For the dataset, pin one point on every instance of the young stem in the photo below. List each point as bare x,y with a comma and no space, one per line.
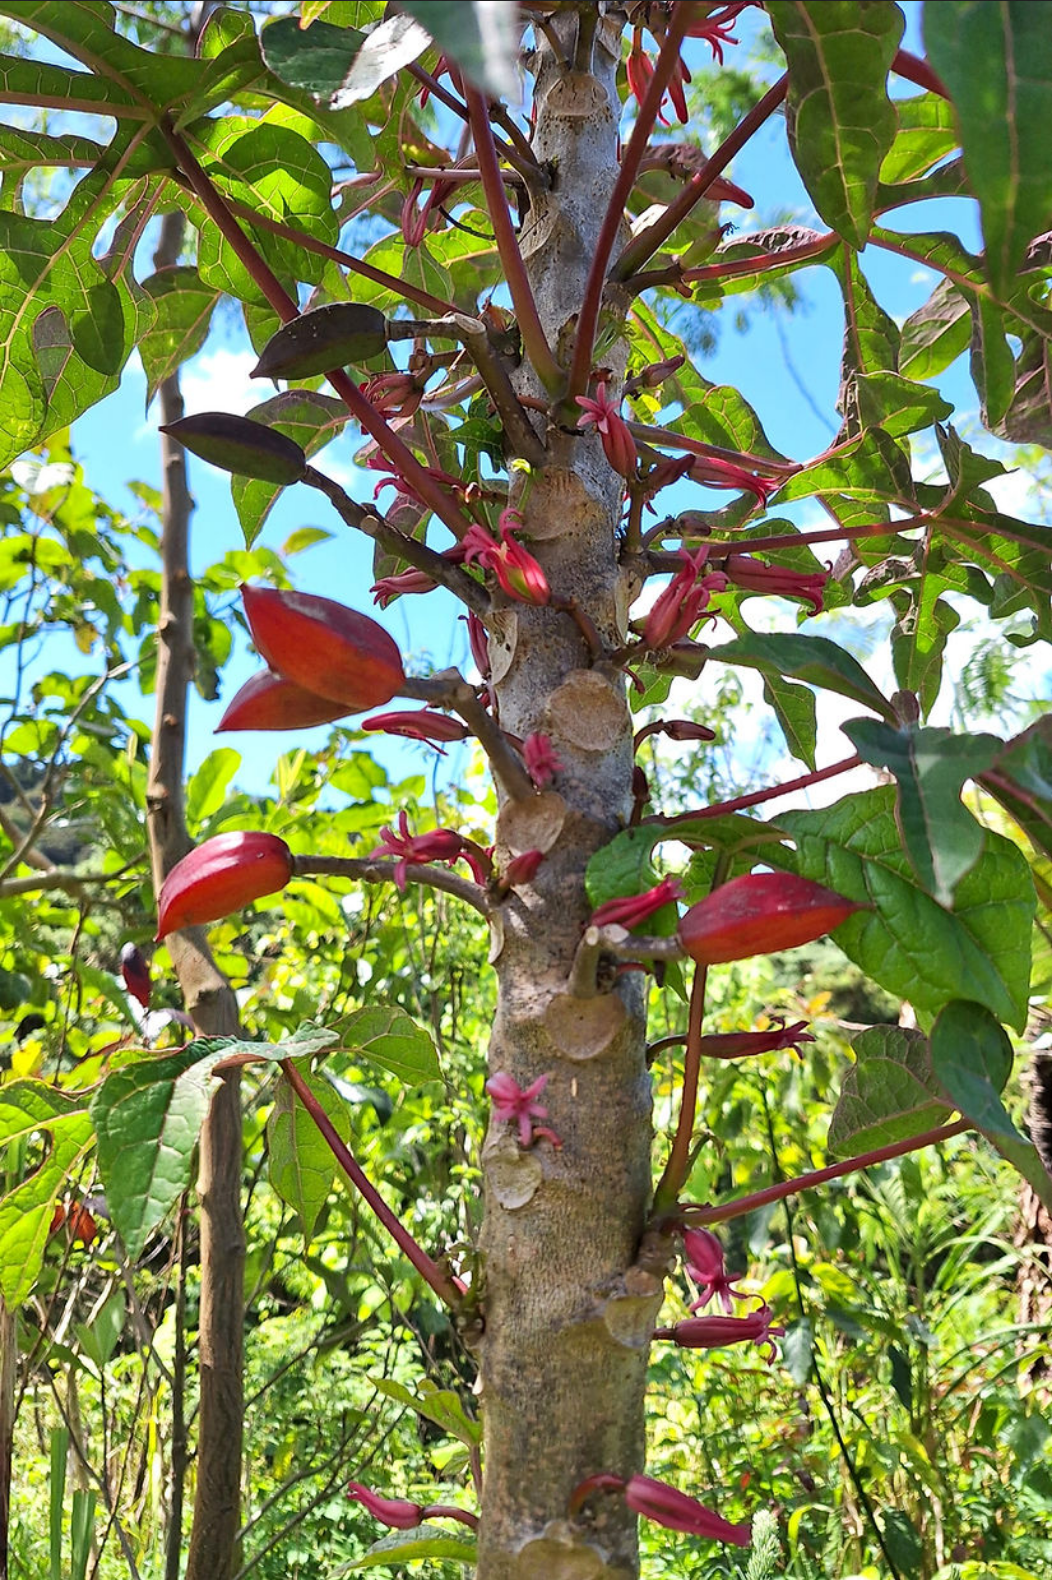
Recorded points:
401,457
451,688
453,577
429,1270
648,241
677,1169
674,274
534,340
697,1216
364,869
592,301
873,529
720,808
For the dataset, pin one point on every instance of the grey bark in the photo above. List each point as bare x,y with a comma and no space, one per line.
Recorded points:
568,1314
211,1004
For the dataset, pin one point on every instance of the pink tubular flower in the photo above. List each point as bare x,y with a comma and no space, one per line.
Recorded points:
703,1256
478,641
632,909
391,587
639,70
602,413
665,1505
756,576
411,581
416,222
393,394
396,1512
522,869
514,1106
740,1044
712,1333
542,764
441,844
420,724
716,28
518,573
678,608
711,472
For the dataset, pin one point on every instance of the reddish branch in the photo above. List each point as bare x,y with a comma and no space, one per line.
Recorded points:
648,241
697,1216
581,366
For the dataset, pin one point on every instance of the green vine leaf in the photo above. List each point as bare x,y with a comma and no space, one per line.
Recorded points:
148,1113
300,1161
813,659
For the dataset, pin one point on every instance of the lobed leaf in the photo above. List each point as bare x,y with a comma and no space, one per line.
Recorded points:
889,1093
942,838
842,123
995,57
907,942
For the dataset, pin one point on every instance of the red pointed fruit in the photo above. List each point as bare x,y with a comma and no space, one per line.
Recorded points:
269,702
323,646
221,876
758,914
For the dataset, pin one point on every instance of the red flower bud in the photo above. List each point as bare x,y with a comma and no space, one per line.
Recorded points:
325,647
758,914
269,702
136,974
522,868
221,876
399,1513
667,1506
420,724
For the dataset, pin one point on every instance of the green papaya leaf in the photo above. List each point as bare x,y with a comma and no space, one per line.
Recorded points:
907,942
385,1035
301,1165
401,1547
889,1094
842,123
941,836
995,57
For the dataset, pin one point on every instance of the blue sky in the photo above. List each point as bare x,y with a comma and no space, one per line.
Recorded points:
769,360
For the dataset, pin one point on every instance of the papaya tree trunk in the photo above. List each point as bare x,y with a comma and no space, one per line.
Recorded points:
568,1314
213,1008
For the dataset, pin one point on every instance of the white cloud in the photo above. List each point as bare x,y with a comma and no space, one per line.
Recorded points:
219,381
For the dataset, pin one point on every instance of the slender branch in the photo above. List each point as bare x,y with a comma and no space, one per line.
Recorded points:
441,1282
450,687
534,340
873,529
675,274
368,271
453,577
698,1215
618,941
721,808
648,241
668,439
401,457
520,156
55,878
919,72
592,300
522,437
366,870
677,1169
